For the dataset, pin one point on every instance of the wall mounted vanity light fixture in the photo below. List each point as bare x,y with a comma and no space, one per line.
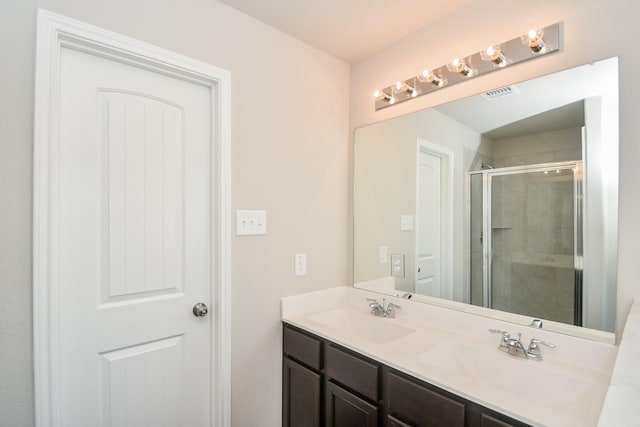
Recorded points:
533,44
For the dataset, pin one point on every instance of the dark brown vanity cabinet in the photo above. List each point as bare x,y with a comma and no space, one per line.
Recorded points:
301,380
325,384
352,389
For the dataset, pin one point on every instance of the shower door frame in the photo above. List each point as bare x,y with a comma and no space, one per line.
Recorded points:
487,231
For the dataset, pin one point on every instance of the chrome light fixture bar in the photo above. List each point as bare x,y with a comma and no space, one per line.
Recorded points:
532,45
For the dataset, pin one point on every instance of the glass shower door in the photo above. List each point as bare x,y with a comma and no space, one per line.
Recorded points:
532,247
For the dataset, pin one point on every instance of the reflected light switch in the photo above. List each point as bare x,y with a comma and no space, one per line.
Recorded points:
406,222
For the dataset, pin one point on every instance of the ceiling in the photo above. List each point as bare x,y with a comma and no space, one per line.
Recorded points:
558,94
348,29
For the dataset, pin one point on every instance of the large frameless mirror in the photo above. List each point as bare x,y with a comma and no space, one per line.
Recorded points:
503,204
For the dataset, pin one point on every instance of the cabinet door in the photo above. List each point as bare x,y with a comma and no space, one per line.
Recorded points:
343,409
300,396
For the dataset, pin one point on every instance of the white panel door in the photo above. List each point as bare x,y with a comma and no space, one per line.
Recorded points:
429,227
134,231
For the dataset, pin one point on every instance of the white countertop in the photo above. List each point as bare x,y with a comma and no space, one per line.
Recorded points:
622,405
528,393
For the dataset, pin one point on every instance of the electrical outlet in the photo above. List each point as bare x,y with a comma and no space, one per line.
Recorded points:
301,264
382,254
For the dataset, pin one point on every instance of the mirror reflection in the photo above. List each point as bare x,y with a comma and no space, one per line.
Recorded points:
504,201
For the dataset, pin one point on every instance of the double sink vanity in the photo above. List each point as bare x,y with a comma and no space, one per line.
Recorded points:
479,214
428,365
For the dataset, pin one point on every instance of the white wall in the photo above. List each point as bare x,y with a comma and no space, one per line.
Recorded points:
289,156
592,29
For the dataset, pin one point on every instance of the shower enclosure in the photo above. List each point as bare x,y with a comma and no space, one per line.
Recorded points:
525,227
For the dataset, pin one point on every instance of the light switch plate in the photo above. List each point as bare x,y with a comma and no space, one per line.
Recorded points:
251,223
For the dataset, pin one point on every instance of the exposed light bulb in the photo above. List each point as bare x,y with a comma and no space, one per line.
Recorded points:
383,96
534,40
495,55
457,65
428,76
406,88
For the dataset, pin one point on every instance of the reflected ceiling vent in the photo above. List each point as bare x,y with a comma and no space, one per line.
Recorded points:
500,92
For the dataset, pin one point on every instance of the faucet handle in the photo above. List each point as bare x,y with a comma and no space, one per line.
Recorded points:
505,334
534,352
533,344
390,311
504,342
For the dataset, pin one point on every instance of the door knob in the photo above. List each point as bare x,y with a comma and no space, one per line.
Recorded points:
200,310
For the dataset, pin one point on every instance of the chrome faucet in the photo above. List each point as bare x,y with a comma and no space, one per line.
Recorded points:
534,352
380,309
514,346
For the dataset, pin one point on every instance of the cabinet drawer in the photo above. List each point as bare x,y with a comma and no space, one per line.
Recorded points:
418,405
353,372
302,347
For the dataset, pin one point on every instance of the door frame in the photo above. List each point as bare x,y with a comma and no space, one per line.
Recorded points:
446,211
55,32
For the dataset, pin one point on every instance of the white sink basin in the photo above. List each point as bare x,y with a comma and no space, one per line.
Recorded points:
376,329
574,393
